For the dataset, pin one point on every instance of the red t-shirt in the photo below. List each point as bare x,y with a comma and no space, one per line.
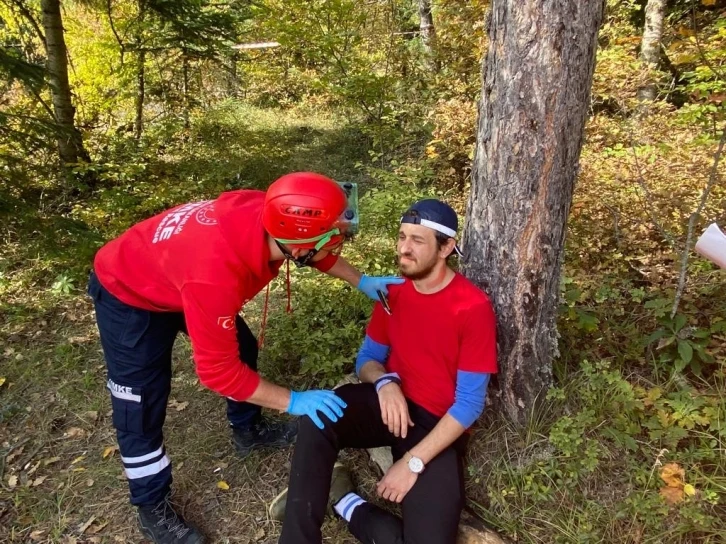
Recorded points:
432,337
205,259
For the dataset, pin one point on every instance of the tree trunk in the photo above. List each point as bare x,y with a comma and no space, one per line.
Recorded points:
140,93
650,50
185,88
428,33
70,142
140,73
232,78
534,102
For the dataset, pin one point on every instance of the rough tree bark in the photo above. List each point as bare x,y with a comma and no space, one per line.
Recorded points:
428,33
70,142
140,74
535,96
140,93
650,49
185,87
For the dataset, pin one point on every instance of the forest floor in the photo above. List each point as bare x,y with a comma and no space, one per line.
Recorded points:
586,469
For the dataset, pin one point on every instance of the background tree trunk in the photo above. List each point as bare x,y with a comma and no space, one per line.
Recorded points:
428,33
70,142
140,93
232,78
185,87
650,50
534,102
140,74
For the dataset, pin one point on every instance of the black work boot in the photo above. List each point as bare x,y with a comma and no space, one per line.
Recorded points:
264,434
163,525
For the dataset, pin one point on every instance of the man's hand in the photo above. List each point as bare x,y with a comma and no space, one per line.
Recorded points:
394,410
397,482
370,285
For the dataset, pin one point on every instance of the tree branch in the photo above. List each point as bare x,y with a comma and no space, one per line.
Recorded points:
712,179
25,12
113,29
650,207
717,73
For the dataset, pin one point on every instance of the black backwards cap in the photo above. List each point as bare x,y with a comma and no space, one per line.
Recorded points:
436,215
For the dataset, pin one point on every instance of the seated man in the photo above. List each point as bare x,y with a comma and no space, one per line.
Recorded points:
425,365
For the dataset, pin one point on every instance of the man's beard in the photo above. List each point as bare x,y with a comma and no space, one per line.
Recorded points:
419,274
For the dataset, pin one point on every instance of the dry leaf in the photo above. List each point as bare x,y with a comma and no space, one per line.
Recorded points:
37,535
39,480
78,459
673,475
689,490
82,528
51,461
89,483
35,467
13,481
2,380
672,495
75,432
68,539
109,451
178,406
97,528
708,2
15,454
221,484
260,534
92,415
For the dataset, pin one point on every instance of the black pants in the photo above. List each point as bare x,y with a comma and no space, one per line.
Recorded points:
432,507
137,346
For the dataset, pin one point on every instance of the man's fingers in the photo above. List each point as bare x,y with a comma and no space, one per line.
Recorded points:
396,422
325,410
334,407
337,400
391,419
316,420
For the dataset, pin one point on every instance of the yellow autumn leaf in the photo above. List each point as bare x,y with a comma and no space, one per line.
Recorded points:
224,486
689,490
672,474
708,2
109,451
2,380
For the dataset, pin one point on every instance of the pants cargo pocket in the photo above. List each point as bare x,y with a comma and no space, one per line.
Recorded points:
128,409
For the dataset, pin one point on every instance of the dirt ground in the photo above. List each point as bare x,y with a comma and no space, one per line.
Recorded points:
61,476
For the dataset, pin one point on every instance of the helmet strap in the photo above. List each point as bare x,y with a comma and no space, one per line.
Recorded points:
305,260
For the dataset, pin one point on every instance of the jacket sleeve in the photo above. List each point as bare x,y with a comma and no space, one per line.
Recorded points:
326,263
210,312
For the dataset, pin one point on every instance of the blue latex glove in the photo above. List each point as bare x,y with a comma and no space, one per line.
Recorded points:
309,403
370,284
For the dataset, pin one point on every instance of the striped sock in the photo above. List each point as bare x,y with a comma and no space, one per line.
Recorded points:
345,506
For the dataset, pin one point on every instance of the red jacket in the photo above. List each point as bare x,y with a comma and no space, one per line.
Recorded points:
205,259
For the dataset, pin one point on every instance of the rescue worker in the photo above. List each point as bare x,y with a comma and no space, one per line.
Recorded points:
191,269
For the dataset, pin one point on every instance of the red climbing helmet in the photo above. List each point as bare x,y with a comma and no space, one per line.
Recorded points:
307,210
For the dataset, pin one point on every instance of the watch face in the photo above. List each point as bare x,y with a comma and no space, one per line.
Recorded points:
415,464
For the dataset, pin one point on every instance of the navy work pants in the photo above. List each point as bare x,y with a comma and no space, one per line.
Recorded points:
137,346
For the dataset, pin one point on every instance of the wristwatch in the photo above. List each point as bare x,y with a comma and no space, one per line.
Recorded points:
415,464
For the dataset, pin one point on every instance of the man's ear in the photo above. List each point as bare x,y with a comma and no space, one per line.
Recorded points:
448,248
